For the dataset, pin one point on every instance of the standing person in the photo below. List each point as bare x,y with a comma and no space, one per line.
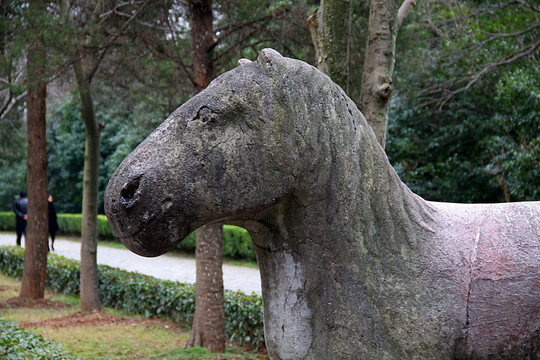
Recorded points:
20,207
53,224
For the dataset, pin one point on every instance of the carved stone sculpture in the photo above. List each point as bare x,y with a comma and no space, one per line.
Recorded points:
353,264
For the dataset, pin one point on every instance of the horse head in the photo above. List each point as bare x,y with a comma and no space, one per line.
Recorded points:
221,155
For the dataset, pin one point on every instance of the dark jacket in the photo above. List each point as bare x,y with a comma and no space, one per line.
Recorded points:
53,224
20,207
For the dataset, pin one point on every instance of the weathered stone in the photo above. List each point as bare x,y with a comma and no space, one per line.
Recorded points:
353,264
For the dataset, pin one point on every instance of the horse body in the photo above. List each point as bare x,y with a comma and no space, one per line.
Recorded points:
353,264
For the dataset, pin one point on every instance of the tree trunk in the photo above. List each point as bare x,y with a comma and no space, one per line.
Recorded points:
35,258
89,280
379,65
208,329
330,28
202,35
89,286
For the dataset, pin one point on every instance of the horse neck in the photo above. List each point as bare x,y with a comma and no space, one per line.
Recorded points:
317,248
360,188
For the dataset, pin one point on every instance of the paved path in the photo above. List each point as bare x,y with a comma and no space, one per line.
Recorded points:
170,267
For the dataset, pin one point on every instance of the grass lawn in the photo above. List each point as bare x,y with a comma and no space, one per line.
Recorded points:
108,335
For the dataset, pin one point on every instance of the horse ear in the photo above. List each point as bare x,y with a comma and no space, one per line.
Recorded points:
243,62
269,56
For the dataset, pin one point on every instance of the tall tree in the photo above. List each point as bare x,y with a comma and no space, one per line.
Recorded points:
208,329
105,27
330,28
379,62
89,277
35,258
84,71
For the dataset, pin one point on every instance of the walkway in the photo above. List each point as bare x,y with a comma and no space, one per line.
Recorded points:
168,266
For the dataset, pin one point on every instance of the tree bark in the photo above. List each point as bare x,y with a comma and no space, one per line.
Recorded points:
379,65
89,285
330,28
202,35
35,258
208,328
89,280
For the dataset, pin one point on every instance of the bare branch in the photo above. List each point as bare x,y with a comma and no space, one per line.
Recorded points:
471,80
530,6
501,36
229,28
404,9
135,14
8,106
116,10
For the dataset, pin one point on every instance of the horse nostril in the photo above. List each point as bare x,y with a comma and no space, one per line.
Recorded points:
130,189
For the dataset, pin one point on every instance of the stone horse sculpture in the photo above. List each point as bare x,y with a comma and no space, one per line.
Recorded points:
353,264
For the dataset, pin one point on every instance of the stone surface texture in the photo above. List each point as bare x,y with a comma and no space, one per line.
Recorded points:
353,264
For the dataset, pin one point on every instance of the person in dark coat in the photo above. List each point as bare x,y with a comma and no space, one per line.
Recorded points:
53,223
20,207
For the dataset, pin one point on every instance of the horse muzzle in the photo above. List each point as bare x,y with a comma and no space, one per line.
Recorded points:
140,215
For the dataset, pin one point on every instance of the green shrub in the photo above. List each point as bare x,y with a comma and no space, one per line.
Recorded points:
12,261
104,229
16,343
188,244
69,224
7,220
142,294
237,243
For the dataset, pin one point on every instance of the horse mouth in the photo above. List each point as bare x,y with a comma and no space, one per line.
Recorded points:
158,235
140,242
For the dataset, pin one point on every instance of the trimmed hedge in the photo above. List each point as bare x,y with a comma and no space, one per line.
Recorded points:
237,242
17,343
70,224
7,221
141,294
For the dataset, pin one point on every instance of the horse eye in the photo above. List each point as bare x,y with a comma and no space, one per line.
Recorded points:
206,115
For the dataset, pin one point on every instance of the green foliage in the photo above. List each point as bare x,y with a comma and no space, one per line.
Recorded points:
244,318
7,220
483,138
237,243
12,159
66,139
12,261
16,343
146,295
65,147
70,224
451,139
276,24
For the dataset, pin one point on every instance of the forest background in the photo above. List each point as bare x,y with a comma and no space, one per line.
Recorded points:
464,123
